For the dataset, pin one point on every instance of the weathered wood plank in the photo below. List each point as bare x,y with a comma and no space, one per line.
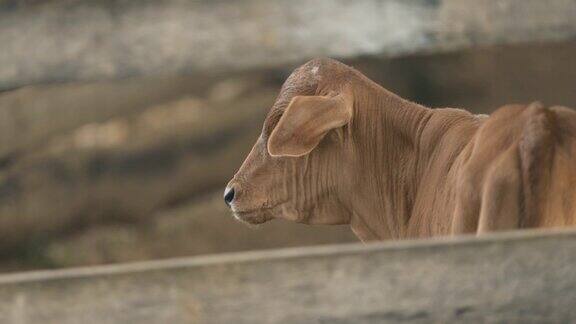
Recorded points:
124,169
519,277
58,40
31,115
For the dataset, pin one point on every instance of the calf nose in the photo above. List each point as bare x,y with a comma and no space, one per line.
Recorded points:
228,195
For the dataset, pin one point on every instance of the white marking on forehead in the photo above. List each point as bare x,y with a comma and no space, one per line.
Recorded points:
314,69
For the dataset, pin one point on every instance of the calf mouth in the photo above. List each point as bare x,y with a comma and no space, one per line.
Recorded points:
252,218
255,217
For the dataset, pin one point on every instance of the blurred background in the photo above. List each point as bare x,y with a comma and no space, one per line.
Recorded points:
122,121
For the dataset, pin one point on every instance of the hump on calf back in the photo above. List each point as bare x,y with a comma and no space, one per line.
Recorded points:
525,165
547,151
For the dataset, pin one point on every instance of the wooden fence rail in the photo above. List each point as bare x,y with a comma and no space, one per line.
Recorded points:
519,277
62,40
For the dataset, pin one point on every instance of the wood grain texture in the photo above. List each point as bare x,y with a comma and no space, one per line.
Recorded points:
71,40
516,277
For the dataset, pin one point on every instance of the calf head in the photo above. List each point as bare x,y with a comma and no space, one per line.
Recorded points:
297,166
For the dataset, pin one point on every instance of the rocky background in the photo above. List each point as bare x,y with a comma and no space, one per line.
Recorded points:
131,170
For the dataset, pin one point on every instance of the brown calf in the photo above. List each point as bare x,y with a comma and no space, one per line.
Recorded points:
336,148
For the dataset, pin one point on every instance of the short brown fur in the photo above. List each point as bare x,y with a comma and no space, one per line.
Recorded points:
347,151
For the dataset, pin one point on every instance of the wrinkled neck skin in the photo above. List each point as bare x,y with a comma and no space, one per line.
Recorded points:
387,160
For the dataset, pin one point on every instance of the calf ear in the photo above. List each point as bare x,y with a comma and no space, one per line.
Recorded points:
305,122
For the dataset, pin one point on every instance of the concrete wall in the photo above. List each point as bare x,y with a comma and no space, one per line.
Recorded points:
66,40
519,277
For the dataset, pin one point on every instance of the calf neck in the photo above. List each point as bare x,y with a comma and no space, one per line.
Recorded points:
336,148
